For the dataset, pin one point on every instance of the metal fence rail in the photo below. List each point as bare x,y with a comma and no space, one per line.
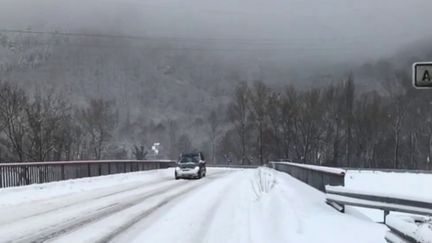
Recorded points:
339,197
19,174
387,203
389,170
234,166
315,176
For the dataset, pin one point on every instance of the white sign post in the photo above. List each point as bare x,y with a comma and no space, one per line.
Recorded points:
422,75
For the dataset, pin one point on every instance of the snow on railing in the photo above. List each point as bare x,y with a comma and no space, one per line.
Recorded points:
324,169
414,229
386,202
411,229
313,175
25,173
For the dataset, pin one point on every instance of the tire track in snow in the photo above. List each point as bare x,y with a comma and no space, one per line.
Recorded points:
139,212
87,200
212,210
77,222
143,214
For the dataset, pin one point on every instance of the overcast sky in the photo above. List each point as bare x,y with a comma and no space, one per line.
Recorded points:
355,27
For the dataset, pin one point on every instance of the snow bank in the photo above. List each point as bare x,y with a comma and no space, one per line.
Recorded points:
421,232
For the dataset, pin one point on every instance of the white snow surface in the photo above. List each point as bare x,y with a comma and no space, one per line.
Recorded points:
421,232
405,185
251,205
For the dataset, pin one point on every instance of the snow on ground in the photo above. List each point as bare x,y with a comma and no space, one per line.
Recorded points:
421,232
250,205
16,195
409,185
254,206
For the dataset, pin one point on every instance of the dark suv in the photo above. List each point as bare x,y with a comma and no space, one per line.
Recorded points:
191,165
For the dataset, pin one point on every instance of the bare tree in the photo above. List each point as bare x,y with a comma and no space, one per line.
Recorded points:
289,113
349,93
140,152
259,104
238,113
213,121
99,120
13,102
397,114
45,122
308,123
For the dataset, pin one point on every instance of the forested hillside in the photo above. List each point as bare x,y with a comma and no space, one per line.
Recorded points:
185,98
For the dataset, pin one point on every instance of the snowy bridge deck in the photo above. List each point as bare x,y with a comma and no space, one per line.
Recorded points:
229,205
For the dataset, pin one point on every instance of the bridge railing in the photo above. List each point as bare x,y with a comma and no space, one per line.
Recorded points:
26,173
387,203
400,230
234,166
315,176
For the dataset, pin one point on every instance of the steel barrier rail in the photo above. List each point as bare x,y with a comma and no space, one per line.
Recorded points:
389,170
315,176
343,196
233,166
26,173
339,197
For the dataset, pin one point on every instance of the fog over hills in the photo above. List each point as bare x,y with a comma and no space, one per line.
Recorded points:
306,29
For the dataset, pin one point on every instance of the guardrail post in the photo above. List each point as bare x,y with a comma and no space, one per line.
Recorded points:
27,175
62,171
88,170
1,177
39,174
386,212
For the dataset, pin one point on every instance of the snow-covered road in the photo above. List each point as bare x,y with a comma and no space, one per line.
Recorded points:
251,205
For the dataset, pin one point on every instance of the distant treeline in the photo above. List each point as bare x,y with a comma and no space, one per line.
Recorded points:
334,125
48,127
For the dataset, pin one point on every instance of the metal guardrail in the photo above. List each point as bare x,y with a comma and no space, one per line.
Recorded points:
315,176
339,197
390,170
343,196
26,173
233,166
